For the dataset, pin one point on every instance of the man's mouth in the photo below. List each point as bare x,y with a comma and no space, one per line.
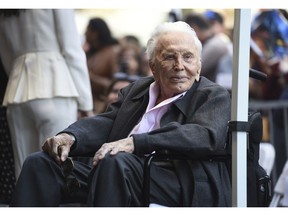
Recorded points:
178,78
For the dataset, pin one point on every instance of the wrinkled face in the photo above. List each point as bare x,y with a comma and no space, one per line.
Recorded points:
177,63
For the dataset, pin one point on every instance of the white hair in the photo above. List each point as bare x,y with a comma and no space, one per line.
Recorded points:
166,27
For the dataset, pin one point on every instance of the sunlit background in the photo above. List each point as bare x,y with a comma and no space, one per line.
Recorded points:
138,22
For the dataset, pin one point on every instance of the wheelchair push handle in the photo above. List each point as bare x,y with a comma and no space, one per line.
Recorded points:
257,74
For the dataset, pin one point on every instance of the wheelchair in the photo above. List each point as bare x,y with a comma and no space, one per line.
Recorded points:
259,192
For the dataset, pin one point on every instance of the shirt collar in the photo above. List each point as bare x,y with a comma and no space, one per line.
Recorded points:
154,92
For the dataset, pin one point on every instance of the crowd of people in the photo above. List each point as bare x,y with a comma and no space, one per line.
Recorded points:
269,54
100,101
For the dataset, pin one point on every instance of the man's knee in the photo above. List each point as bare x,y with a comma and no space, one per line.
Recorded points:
35,159
121,158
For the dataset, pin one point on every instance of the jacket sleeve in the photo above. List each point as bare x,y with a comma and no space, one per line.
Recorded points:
74,55
90,134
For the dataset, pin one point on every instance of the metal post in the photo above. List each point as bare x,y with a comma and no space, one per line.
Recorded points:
239,112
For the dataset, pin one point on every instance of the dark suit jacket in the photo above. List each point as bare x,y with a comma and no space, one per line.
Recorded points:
195,125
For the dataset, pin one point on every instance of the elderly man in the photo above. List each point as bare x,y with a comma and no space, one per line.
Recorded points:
176,109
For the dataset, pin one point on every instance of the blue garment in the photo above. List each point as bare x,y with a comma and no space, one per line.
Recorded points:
276,25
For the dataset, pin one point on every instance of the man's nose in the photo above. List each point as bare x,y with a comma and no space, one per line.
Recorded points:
178,65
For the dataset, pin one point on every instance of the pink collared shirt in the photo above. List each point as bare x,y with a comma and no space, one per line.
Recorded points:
151,118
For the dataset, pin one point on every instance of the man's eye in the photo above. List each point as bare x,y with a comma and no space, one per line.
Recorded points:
187,56
169,57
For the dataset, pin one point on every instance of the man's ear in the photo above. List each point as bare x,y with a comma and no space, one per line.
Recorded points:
152,66
198,72
197,77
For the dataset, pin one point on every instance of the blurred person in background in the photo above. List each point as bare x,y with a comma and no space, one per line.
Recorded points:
217,22
269,54
214,48
120,81
132,57
48,86
224,69
102,51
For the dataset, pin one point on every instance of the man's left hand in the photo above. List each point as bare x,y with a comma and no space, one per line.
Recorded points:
123,145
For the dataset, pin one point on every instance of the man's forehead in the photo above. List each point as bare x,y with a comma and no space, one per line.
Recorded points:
177,42
176,38
175,34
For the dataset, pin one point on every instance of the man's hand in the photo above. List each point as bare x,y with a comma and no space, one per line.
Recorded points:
124,145
58,147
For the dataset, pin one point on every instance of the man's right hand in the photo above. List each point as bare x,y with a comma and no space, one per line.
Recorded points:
58,147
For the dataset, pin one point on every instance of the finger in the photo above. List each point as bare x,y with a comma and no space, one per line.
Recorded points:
97,158
55,147
94,162
56,155
46,144
114,151
51,147
64,152
99,155
44,147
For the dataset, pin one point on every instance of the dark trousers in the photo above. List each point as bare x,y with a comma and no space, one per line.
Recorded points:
116,181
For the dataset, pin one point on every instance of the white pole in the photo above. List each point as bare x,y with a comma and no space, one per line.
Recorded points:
239,112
